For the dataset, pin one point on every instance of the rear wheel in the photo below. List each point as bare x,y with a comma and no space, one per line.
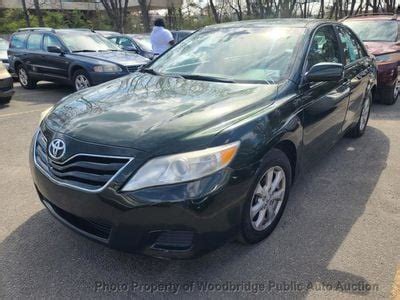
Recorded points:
81,80
390,96
359,129
24,78
267,198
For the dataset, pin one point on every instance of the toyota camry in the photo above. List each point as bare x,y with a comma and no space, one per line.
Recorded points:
202,145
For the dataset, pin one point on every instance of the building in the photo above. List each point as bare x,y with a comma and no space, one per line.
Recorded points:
84,4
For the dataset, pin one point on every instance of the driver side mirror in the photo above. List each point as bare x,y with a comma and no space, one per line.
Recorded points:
325,72
54,49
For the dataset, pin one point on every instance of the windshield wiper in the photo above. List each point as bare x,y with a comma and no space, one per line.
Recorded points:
150,71
207,78
106,50
84,50
154,72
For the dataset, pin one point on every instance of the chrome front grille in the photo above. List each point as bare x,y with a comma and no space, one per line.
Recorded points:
82,171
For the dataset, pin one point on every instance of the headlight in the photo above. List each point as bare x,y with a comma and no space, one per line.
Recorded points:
44,114
107,68
384,58
182,167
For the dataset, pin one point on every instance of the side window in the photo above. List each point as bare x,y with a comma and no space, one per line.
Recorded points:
18,41
114,40
34,41
324,47
352,50
50,40
124,42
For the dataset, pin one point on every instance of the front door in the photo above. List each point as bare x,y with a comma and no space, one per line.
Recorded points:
55,65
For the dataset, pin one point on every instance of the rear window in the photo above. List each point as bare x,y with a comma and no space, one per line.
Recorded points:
34,42
18,41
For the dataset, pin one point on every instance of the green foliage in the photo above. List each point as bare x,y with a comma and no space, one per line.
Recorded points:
12,19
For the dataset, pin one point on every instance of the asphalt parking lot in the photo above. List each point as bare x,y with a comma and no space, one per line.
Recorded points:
338,238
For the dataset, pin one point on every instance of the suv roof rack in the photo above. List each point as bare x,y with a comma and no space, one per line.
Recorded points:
367,14
80,29
36,29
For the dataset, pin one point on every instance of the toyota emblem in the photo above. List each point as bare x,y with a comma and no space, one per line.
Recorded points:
57,149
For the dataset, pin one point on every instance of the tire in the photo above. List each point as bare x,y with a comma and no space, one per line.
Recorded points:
81,80
5,100
278,163
24,79
359,129
390,96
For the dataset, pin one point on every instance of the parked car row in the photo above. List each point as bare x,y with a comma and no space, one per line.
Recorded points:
79,57
201,145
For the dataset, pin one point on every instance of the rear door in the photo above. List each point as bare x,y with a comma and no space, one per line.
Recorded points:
17,49
358,73
325,103
34,53
55,65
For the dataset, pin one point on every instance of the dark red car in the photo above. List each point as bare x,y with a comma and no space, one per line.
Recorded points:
381,36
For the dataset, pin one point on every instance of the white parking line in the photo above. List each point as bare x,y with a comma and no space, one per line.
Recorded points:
19,113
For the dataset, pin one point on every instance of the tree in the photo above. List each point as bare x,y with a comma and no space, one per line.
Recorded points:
38,12
117,11
26,14
144,10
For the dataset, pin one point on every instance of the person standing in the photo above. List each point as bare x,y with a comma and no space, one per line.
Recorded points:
161,38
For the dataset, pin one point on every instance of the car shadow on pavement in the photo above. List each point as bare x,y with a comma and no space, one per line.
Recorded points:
45,92
42,258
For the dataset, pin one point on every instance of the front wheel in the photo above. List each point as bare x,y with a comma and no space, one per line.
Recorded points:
359,129
81,80
267,199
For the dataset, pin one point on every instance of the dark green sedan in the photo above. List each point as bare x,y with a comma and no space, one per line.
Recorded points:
203,144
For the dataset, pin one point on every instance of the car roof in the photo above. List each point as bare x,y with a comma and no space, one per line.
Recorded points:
51,30
295,22
377,16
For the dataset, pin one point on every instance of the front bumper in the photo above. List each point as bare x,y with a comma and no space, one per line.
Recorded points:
99,77
387,73
6,87
178,221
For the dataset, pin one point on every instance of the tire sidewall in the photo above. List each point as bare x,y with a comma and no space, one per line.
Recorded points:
367,98
274,157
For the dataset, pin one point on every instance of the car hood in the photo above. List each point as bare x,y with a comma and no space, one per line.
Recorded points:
117,57
157,114
379,48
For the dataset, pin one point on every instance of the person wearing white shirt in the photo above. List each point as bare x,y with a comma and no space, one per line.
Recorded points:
161,38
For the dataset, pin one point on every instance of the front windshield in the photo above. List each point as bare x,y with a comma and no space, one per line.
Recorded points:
89,42
3,45
256,54
378,30
144,42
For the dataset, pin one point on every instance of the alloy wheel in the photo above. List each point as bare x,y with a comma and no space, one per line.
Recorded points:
23,77
81,82
268,198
